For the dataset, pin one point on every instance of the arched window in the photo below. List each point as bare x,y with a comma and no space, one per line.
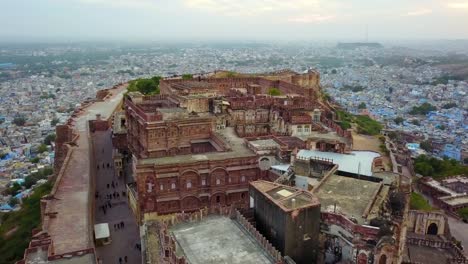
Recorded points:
218,181
189,184
243,178
203,182
432,229
173,185
161,187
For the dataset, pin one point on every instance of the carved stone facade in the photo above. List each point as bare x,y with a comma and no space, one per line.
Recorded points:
185,156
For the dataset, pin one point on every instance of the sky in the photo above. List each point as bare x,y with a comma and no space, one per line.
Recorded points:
232,20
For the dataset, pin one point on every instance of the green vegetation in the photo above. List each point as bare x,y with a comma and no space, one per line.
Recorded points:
36,176
274,91
19,120
47,96
54,121
345,119
398,120
415,122
42,148
438,169
463,212
367,125
418,202
49,139
13,190
326,96
13,201
187,76
426,145
35,160
145,86
423,109
333,71
449,105
362,105
16,228
441,127
383,149
444,79
352,88
231,74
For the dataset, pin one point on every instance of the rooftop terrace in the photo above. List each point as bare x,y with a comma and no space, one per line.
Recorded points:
217,239
352,197
237,149
287,198
357,162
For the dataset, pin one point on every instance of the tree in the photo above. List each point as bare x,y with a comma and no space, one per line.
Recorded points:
426,145
449,105
187,76
333,71
13,201
42,148
441,127
423,109
362,105
145,86
424,169
19,120
463,212
415,122
399,120
390,90
49,139
397,201
14,189
274,91
54,121
35,160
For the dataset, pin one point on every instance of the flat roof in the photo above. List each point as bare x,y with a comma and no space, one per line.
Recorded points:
264,143
287,197
217,239
422,254
455,200
351,196
237,145
357,162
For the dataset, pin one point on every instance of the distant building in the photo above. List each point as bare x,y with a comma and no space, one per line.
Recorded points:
451,152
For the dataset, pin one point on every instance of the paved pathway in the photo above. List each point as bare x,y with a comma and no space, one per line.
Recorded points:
123,238
459,230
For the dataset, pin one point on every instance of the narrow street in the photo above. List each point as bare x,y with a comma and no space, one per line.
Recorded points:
112,207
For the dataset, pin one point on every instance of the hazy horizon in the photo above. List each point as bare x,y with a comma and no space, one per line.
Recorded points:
223,20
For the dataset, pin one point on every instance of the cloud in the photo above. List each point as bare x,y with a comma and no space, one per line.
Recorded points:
251,7
137,4
420,12
308,19
458,5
